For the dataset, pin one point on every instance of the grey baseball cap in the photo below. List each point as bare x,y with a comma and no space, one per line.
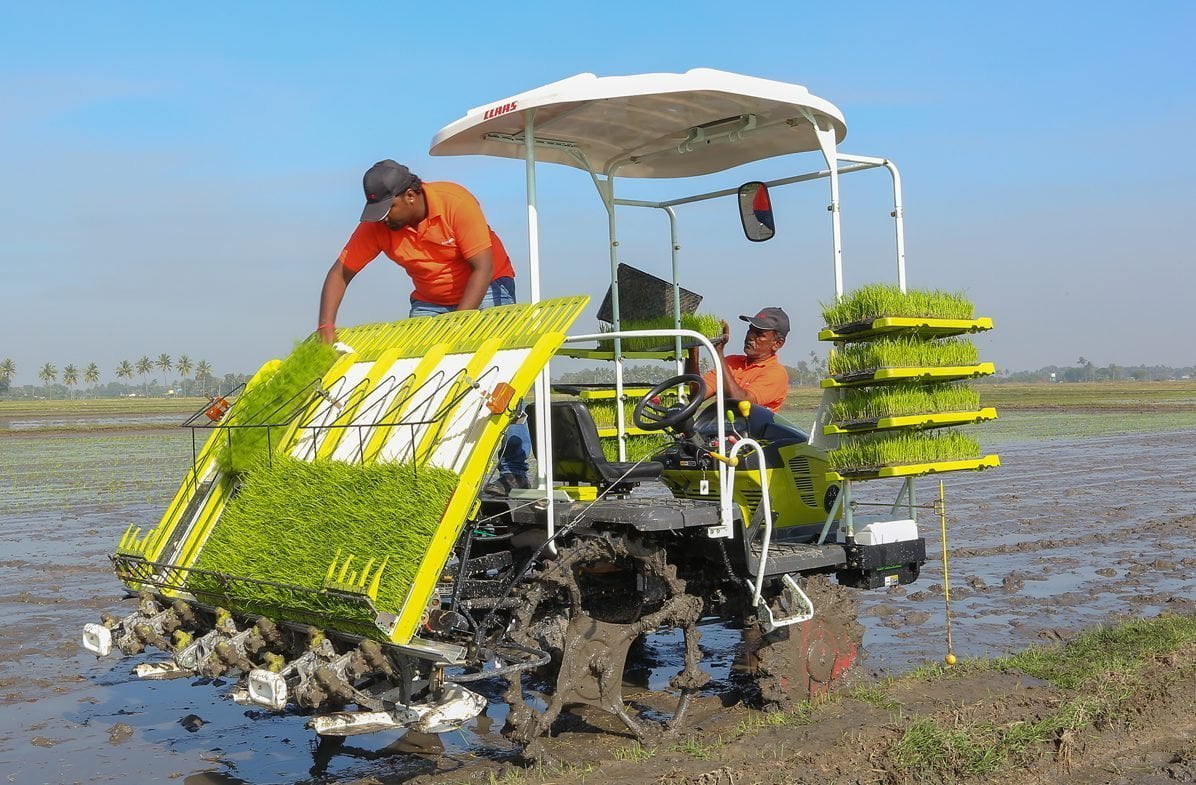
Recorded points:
383,182
769,319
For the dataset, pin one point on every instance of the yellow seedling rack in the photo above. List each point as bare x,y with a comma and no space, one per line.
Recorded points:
925,328
422,391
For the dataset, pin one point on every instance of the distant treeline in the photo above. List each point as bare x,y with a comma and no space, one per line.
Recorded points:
1084,371
152,389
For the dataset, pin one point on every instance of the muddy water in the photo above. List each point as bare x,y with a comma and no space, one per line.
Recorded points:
1068,533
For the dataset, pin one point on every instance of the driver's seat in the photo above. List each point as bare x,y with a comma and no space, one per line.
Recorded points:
577,453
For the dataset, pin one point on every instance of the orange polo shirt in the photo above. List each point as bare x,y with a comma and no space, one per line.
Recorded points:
766,380
433,252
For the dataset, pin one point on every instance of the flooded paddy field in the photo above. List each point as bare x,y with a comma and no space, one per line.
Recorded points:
1089,519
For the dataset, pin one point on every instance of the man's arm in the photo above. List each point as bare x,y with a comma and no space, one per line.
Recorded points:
731,388
691,364
481,267
335,284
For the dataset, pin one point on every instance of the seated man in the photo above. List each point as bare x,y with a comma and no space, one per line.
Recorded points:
756,375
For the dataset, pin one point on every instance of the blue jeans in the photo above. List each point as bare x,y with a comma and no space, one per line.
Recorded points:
517,439
501,291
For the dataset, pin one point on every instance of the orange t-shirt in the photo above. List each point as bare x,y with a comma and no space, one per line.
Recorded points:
433,252
767,380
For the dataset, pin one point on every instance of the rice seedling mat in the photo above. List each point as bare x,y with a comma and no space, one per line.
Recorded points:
909,325
915,421
879,300
921,374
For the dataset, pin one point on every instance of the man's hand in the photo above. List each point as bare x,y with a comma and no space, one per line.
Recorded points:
720,341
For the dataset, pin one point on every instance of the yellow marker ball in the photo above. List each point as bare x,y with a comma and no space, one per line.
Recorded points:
745,408
949,659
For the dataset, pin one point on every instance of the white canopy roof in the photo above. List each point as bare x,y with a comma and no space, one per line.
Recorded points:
649,125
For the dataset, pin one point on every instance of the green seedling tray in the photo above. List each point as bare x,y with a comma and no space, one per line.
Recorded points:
914,469
889,325
890,375
919,421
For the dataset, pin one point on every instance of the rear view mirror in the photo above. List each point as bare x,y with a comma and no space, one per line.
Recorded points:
755,211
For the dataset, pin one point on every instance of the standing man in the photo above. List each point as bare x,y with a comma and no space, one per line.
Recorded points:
756,375
438,234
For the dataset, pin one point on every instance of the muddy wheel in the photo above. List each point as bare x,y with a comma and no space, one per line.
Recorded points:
588,607
810,659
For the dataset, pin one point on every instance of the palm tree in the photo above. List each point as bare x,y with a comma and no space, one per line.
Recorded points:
203,372
124,370
817,364
144,367
8,369
48,374
91,375
164,364
70,377
184,366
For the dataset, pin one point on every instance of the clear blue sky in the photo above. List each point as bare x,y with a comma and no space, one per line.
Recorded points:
178,179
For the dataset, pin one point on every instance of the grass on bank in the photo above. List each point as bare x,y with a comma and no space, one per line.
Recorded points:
875,301
892,449
1100,672
272,402
291,518
902,352
703,323
903,399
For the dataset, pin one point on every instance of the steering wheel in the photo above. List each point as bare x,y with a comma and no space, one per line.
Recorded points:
650,415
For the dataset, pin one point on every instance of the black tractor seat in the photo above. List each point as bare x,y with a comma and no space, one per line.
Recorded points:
577,452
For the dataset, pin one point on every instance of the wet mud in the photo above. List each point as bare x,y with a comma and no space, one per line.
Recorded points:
1066,535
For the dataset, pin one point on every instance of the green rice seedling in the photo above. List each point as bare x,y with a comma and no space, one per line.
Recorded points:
291,518
271,403
641,445
635,752
902,352
893,449
875,301
706,324
603,410
902,399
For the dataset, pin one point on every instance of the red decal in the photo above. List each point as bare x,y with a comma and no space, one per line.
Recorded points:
495,111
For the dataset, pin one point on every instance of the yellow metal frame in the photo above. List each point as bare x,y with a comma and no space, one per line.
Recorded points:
922,326
918,469
462,501
631,391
